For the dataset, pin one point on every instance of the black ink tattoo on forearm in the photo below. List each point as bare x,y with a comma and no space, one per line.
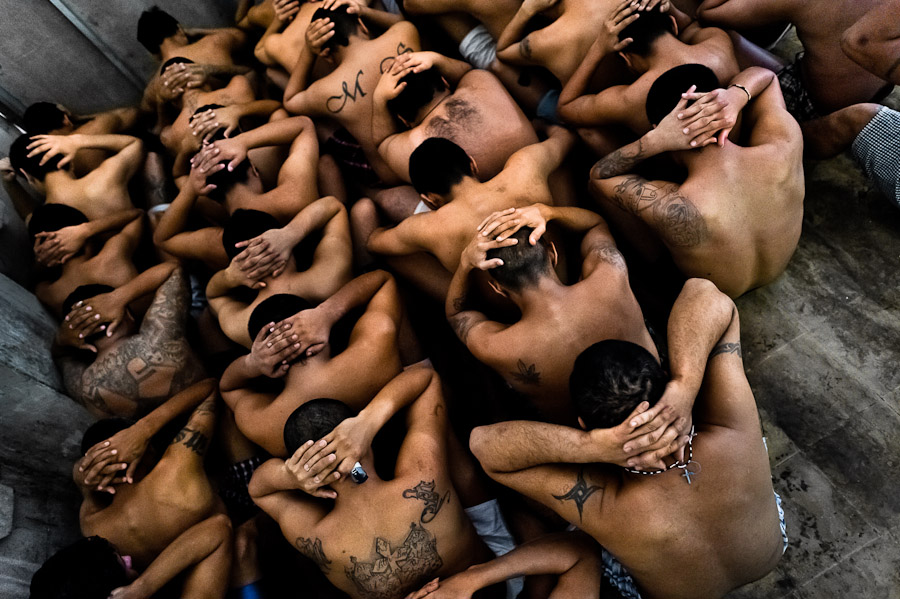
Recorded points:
618,163
394,571
675,217
312,548
527,374
332,103
433,500
579,493
727,348
194,440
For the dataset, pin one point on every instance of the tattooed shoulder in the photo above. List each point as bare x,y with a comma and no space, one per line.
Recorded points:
425,492
580,492
312,548
396,569
527,374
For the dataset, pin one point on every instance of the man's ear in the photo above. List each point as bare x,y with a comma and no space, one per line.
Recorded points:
627,58
554,256
474,165
674,25
363,27
431,199
496,287
582,424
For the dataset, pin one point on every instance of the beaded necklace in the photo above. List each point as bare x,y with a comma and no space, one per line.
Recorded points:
685,467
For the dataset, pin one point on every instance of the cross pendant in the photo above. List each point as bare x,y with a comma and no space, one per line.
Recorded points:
687,474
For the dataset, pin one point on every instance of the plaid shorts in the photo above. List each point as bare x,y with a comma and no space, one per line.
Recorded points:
234,488
877,150
796,98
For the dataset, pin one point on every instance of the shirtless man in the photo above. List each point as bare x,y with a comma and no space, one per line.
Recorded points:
165,523
445,177
657,43
53,119
42,159
823,78
564,319
720,524
560,46
478,114
346,94
292,341
330,268
736,219
212,54
233,179
133,368
402,537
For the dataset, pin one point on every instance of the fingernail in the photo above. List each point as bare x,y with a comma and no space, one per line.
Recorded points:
693,143
627,448
684,130
294,337
88,309
316,479
268,345
634,423
296,345
114,451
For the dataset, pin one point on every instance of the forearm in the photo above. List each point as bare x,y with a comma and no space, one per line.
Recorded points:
379,18
220,284
276,133
574,219
458,294
299,76
623,160
357,292
180,403
383,124
146,282
237,376
512,33
754,80
517,445
312,218
700,316
546,555
272,477
112,223
259,108
452,69
402,391
578,82
174,219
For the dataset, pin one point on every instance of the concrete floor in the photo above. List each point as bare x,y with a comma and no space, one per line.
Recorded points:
821,352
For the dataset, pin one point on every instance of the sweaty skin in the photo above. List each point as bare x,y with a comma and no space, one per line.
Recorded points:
353,376
736,219
831,77
397,543
722,528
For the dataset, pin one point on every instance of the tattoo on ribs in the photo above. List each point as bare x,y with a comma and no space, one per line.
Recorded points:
578,493
312,548
433,500
394,571
727,348
335,104
193,440
679,221
527,374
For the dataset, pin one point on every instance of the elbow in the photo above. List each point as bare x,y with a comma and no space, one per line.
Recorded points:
855,43
415,7
479,445
711,296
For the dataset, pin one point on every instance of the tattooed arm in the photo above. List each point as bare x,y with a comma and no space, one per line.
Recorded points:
462,318
167,316
509,47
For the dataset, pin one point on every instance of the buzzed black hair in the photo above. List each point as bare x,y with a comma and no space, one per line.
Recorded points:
419,91
53,217
313,420
155,25
275,309
87,569
243,225
18,157
437,165
345,25
665,93
43,117
610,378
523,263
646,29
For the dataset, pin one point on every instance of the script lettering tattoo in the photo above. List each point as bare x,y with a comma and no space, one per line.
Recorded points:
525,48
618,163
388,61
527,374
312,548
194,440
578,493
332,103
433,500
727,348
394,571
677,220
